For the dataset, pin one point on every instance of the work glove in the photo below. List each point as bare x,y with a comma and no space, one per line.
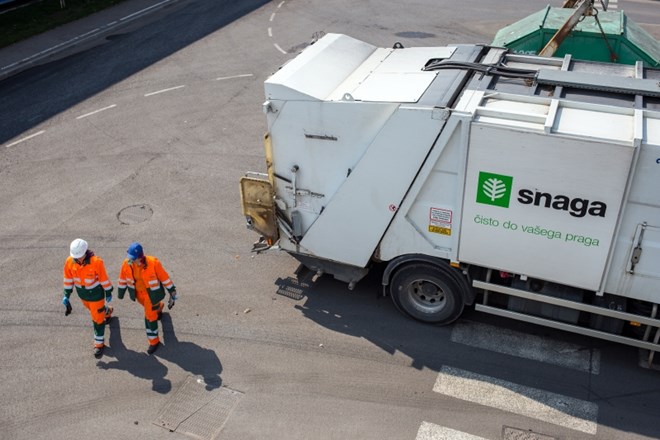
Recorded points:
108,297
171,302
67,304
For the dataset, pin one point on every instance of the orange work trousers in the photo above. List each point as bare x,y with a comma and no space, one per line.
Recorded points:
98,311
151,313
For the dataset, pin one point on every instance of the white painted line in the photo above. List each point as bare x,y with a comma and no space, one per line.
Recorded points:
430,431
279,48
96,111
557,409
142,11
164,90
524,345
51,49
280,5
272,17
25,138
82,37
245,75
270,32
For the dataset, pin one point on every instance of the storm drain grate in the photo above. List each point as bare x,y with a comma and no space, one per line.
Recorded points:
291,288
197,411
509,433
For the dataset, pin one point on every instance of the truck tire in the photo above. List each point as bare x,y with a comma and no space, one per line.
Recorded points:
428,293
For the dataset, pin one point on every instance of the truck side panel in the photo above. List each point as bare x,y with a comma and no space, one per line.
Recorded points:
428,221
354,221
640,280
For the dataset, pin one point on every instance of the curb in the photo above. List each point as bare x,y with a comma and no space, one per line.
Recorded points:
33,60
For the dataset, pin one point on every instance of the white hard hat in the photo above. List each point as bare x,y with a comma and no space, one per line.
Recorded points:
78,248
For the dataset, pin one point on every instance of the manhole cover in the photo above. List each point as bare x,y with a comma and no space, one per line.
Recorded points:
413,34
132,215
196,411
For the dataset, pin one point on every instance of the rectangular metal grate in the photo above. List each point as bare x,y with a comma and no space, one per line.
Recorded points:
509,433
197,411
291,288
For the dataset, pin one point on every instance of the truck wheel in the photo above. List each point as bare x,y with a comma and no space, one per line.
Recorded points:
427,293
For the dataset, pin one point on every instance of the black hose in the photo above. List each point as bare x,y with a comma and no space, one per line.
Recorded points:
488,69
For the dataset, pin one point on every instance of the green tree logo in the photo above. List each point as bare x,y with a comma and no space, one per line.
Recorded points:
494,189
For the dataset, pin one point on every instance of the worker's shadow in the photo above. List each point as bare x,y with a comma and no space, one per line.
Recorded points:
191,357
139,364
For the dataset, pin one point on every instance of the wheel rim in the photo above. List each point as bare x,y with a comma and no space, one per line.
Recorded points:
427,296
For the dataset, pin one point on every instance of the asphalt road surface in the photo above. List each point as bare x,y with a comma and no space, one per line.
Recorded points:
143,135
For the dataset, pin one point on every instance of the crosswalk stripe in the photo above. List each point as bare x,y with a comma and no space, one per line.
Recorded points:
524,345
430,431
530,402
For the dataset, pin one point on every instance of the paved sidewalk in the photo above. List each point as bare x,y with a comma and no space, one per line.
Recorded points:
47,46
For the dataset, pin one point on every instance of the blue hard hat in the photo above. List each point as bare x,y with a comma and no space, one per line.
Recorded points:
135,251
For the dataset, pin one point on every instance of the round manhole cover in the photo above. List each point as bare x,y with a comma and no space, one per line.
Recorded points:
132,215
413,34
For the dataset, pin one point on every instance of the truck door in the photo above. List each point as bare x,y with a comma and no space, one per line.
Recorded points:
644,258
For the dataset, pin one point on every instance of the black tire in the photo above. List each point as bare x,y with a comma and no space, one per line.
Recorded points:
428,293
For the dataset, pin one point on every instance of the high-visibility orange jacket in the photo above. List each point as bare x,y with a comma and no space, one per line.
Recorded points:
152,277
90,279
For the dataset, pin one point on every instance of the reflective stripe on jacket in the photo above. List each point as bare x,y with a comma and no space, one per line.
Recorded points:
90,279
153,278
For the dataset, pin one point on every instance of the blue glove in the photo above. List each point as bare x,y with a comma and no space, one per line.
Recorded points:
108,298
170,303
67,304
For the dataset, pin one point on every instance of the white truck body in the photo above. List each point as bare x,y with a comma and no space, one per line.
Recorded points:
550,173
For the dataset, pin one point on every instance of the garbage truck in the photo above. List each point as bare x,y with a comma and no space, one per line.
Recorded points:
523,186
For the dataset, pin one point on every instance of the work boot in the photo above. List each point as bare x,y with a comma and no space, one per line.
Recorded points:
152,348
98,352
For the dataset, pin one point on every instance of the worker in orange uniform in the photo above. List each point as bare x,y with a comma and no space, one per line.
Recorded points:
86,271
146,280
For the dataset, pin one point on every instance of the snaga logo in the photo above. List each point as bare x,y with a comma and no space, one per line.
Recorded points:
496,189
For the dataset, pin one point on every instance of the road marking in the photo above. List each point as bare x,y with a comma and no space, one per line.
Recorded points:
270,30
430,431
524,345
83,37
53,48
25,138
164,90
142,11
557,409
245,75
96,111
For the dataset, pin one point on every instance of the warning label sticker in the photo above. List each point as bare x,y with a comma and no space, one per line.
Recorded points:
439,230
440,221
